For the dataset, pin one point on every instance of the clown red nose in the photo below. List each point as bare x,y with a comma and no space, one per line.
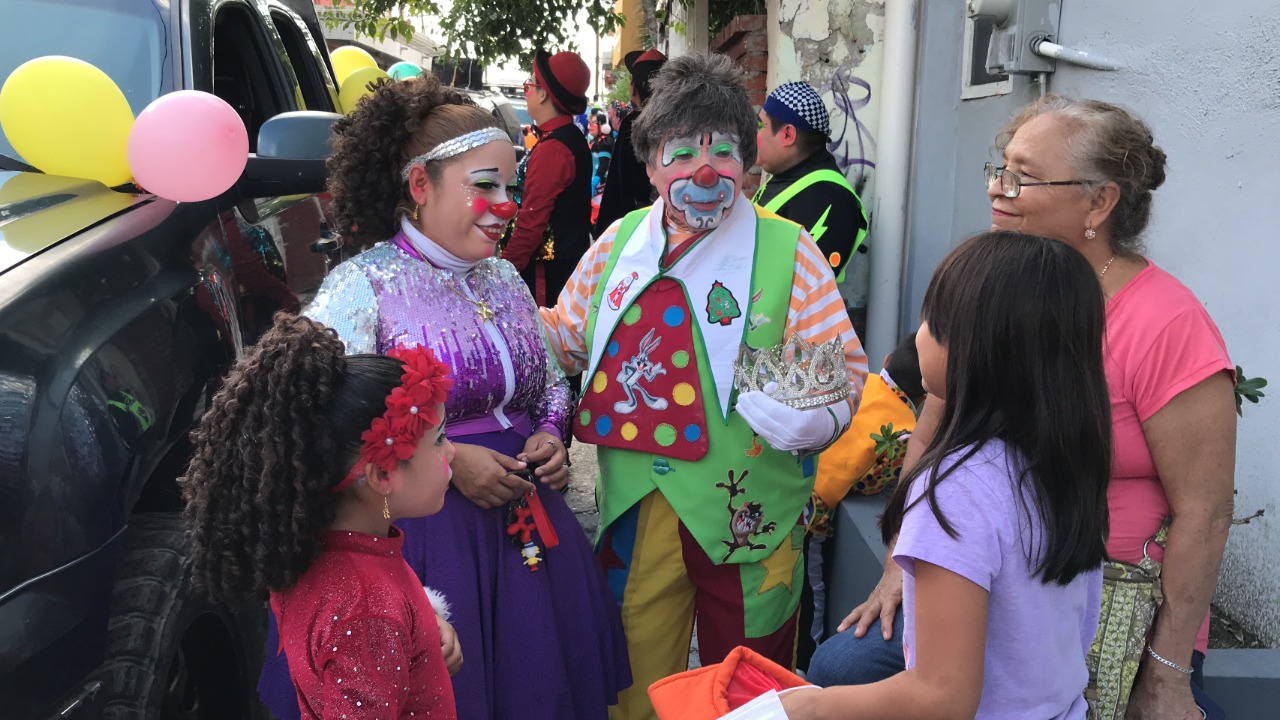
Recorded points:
504,210
705,177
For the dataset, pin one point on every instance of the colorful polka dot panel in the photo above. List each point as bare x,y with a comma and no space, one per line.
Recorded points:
646,394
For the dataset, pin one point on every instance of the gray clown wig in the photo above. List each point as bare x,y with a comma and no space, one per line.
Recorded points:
694,94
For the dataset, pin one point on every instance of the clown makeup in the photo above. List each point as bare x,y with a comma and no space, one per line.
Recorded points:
698,177
468,210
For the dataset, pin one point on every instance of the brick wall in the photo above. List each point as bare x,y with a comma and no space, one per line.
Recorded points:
746,42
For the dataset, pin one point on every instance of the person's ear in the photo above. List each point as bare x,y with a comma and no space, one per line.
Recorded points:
419,184
1101,203
788,135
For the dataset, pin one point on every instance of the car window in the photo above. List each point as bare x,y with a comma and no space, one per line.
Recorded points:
244,70
315,94
507,116
126,39
521,110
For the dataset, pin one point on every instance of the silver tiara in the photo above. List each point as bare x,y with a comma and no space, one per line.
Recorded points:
807,375
456,146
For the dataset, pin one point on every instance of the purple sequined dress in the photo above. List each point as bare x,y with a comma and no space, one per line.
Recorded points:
545,644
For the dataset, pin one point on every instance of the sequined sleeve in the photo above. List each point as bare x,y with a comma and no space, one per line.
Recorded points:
553,410
364,668
346,302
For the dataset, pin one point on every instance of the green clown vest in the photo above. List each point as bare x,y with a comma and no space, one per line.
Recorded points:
651,402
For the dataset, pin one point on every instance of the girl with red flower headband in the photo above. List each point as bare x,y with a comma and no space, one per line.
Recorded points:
302,463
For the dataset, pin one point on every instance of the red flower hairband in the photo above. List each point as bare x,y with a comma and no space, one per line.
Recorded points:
411,409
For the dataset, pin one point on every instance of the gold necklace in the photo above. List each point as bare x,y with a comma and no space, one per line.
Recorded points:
481,306
1106,267
451,280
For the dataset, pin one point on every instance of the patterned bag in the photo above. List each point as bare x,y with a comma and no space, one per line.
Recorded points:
1131,595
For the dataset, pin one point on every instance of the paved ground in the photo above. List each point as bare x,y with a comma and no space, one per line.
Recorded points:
581,495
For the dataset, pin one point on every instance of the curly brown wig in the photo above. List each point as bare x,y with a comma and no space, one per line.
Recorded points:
692,94
400,120
283,429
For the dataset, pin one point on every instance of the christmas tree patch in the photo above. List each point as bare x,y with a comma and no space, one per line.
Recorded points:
721,306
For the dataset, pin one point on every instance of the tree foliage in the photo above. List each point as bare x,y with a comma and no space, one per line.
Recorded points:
621,91
484,30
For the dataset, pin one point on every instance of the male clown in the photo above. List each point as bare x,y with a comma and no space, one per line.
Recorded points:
702,490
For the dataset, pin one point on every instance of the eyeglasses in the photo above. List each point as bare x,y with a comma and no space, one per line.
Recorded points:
1011,183
530,84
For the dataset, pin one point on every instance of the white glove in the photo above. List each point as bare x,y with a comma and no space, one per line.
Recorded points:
786,428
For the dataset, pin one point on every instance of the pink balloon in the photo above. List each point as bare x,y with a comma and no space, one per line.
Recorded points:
188,146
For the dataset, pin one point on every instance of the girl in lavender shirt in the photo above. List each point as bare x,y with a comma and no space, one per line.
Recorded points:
1001,526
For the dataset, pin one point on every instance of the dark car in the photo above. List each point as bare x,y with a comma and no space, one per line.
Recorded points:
119,312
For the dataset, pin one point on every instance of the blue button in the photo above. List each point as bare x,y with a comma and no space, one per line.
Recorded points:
662,467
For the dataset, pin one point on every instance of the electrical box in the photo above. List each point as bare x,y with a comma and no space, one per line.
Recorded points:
1018,26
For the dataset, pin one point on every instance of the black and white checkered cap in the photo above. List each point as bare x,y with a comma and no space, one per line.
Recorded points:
804,101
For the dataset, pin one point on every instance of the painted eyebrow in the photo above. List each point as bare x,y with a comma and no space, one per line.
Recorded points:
484,170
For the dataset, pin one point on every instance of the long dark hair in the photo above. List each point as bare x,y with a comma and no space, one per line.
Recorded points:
1022,320
283,429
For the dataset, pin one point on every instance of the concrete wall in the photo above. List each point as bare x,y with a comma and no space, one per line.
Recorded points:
835,45
1207,79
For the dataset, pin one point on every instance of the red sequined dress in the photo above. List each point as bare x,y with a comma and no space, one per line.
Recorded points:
360,635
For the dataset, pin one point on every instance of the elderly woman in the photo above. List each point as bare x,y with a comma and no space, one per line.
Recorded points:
1083,172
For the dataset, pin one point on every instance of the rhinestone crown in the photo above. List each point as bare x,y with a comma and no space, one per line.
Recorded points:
807,375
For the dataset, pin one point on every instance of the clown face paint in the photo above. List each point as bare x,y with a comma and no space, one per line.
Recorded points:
698,178
467,212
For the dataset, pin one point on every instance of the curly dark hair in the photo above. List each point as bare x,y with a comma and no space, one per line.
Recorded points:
283,429
400,120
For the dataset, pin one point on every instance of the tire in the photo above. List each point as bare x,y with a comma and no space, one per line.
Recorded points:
172,652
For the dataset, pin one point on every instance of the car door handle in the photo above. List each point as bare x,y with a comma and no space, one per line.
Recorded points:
327,242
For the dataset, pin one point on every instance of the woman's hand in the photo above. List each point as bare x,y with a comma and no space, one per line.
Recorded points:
881,605
1161,693
483,476
545,448
450,646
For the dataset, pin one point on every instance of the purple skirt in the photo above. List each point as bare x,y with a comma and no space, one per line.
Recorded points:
536,645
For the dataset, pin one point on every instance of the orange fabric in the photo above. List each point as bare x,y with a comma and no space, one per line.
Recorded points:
707,693
854,454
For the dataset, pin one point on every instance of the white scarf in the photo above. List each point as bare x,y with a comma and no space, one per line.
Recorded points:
435,254
725,254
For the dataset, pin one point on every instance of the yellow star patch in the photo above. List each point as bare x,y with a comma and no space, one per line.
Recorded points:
780,567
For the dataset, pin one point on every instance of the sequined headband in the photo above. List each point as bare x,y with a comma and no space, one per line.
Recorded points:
456,146
411,409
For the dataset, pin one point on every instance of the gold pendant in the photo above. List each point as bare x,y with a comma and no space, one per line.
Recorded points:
482,308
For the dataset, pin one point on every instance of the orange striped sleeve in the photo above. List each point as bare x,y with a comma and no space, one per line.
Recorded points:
565,325
817,312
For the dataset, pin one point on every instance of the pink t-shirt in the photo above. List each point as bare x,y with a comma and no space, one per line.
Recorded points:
1159,342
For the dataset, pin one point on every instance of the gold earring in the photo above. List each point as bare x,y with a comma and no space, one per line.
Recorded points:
415,213
386,508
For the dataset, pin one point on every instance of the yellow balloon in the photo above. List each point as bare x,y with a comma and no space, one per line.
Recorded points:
356,86
348,59
66,117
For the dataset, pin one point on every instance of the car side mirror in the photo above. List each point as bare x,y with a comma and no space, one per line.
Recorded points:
292,150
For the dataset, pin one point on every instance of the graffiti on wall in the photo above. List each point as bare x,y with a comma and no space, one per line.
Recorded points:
851,141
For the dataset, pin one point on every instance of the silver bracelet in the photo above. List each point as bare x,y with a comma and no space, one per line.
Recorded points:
1151,651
